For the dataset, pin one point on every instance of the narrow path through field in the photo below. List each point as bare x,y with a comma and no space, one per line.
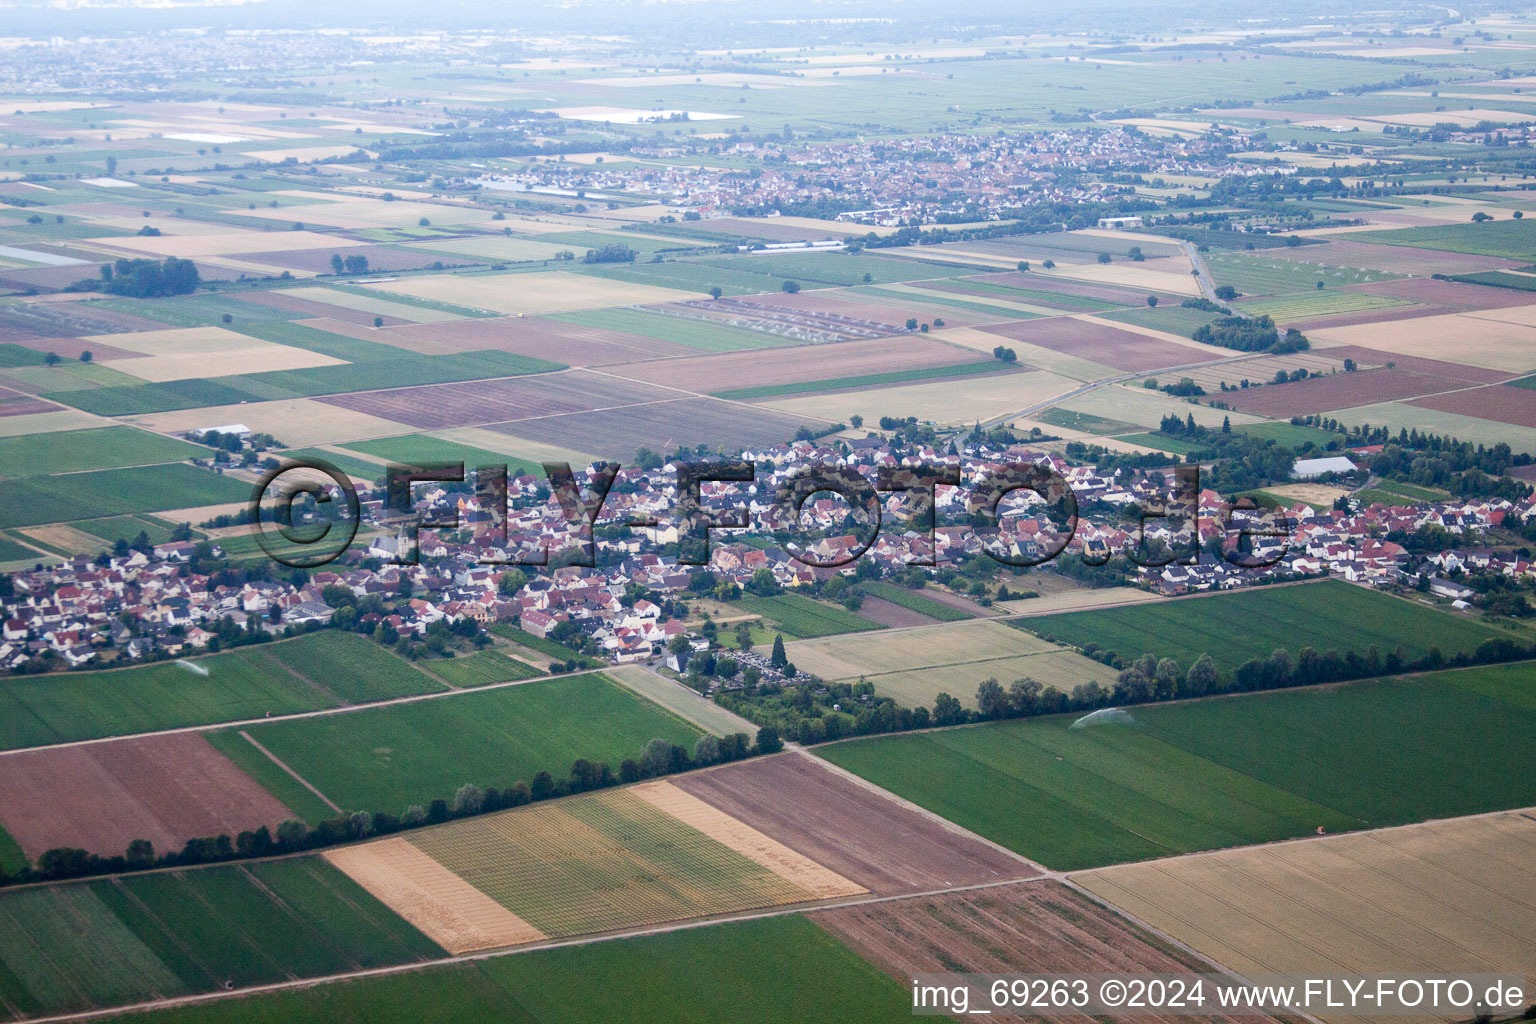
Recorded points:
301,780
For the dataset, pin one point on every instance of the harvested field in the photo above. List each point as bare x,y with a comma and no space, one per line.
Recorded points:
1077,600
1261,369
1133,275
1444,897
225,243
604,861
856,832
618,433
64,538
854,655
1499,402
251,357
822,883
1458,372
920,687
374,304
1044,927
1147,408
956,401
47,419
1030,355
436,406
558,340
1336,391
102,796
1368,316
552,292
294,422
442,906
1468,339
1104,344
22,323
14,403
804,363
1403,416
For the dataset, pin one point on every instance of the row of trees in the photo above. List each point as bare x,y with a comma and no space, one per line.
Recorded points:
659,758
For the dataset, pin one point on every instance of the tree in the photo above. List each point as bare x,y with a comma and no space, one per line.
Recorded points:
911,323
1480,216
778,659
357,264
715,291
1104,257
141,854
378,321
947,710
856,420
743,636
1202,677
1023,266
1152,300
991,700
790,287
768,741
86,356
1226,292
510,582
337,264
52,359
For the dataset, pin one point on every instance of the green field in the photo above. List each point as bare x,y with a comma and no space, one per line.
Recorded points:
559,652
708,337
1167,316
386,759
128,528
355,467
1292,434
1258,274
349,665
801,618
914,600
1223,772
88,945
1300,305
974,368
1084,421
1253,623
70,451
39,710
57,499
11,856
1504,239
418,448
11,551
780,970
480,669
1176,446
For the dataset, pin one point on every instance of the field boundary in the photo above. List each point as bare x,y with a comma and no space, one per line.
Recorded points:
301,780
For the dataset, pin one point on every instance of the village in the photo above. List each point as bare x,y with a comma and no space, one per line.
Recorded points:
148,603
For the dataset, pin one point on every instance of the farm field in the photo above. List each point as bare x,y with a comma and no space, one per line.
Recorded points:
593,863
915,600
480,669
86,945
387,759
1479,342
1235,627
72,451
782,970
676,330
944,402
797,616
1103,342
1050,927
101,797
1506,239
348,665
858,833
38,500
968,369
1286,309
1263,274
685,703
40,710
914,666
1443,896
128,528
1221,772
536,293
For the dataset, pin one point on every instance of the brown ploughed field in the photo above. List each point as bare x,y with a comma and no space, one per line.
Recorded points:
102,796
762,368
1499,402
1030,928
1124,350
856,832
572,344
1336,391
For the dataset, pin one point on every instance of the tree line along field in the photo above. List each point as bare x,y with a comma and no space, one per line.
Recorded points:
1235,627
389,758
1221,772
781,970
249,682
88,945
57,499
